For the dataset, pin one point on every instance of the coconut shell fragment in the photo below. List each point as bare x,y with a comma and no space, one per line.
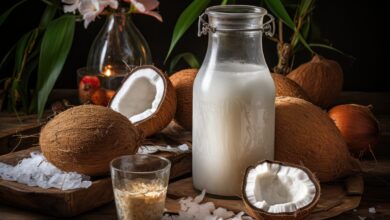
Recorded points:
86,138
305,135
183,82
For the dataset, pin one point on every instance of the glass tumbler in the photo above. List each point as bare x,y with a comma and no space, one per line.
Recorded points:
140,185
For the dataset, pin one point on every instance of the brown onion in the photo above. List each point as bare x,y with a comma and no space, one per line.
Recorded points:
357,125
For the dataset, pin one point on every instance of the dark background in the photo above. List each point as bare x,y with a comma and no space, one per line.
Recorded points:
354,27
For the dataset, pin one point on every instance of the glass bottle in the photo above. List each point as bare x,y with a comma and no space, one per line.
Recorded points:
118,44
233,99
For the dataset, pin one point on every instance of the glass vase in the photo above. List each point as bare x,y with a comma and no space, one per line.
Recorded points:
118,47
119,44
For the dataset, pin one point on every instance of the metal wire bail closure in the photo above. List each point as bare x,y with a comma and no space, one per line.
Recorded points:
268,28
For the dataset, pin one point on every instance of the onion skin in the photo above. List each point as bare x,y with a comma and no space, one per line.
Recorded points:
357,125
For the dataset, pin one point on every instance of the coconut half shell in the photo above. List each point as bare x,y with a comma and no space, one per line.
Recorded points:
183,82
277,190
147,98
86,138
287,87
305,135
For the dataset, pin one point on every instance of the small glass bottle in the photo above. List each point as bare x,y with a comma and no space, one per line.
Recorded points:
233,99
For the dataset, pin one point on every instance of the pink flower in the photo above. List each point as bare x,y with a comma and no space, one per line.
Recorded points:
146,7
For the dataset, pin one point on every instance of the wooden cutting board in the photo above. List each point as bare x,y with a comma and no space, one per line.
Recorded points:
73,202
336,198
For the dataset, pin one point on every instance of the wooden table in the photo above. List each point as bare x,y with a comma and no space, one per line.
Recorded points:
376,174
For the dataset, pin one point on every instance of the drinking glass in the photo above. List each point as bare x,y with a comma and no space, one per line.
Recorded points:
140,185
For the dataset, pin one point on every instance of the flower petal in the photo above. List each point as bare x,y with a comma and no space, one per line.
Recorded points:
88,18
70,2
145,5
71,8
112,3
71,5
89,6
154,14
90,9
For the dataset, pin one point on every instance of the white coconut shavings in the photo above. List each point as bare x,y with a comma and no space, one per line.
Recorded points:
193,209
37,171
150,149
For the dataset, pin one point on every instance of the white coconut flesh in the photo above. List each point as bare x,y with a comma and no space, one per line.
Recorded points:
276,188
140,95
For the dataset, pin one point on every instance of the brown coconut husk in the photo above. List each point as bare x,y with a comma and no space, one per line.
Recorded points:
321,79
305,135
299,214
183,82
86,138
287,87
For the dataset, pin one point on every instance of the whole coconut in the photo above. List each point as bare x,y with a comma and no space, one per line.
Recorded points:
358,126
86,138
183,82
321,79
286,87
305,135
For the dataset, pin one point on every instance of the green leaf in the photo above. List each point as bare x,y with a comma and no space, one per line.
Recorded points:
305,30
329,47
224,2
56,44
5,15
23,49
186,19
190,59
305,7
21,46
227,2
5,58
280,11
47,16
24,81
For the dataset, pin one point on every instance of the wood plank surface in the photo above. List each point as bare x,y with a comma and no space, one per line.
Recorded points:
376,194
69,203
12,127
335,197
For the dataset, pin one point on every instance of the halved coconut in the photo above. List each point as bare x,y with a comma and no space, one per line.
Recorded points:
147,98
276,190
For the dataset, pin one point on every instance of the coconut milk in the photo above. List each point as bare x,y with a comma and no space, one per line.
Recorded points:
233,124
